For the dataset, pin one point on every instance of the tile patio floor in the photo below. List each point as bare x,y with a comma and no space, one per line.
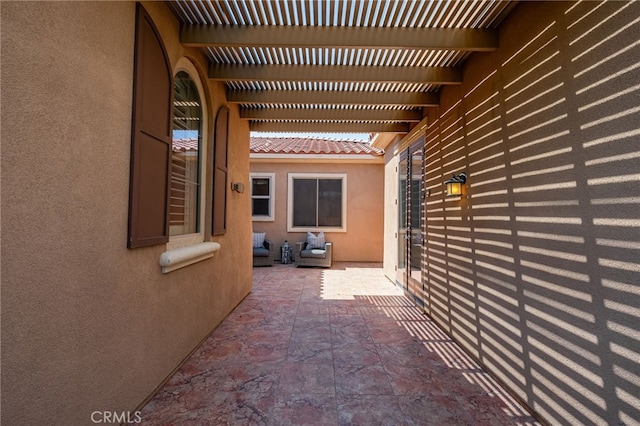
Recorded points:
330,347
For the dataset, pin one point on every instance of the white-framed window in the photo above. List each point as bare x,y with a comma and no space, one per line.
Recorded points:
317,202
188,151
187,195
263,198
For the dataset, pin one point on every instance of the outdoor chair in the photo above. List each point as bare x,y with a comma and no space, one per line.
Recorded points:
309,256
264,254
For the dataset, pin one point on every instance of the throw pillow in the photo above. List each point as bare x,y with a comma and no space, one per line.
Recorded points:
258,239
315,241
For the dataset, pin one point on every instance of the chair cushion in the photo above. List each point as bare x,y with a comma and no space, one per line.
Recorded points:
260,252
314,253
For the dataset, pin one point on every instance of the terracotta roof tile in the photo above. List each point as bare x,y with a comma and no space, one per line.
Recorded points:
288,145
187,144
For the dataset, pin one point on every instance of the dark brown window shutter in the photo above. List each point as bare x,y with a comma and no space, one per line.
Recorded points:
150,137
219,220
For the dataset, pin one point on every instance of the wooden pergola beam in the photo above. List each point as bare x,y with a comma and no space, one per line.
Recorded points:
321,97
478,40
328,127
375,115
333,73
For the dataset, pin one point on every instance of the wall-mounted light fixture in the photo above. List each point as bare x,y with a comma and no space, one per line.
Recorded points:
454,185
238,187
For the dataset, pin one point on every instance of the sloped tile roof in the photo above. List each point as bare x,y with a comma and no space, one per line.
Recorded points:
289,145
186,144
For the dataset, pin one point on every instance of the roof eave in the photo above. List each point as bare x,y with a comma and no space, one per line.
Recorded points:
316,158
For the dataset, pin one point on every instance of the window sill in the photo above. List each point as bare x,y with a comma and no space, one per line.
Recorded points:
316,229
262,219
178,258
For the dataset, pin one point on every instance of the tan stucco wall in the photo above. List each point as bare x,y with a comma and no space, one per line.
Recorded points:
88,325
363,241
535,271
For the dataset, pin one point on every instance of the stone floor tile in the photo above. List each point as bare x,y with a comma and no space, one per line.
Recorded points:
362,380
421,410
301,377
296,409
314,352
355,353
370,410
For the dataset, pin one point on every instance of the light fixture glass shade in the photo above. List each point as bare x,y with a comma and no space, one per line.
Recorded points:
453,189
454,185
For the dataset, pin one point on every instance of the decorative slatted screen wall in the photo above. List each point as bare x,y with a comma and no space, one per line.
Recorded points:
535,270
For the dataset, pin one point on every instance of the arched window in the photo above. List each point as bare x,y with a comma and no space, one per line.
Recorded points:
186,158
167,188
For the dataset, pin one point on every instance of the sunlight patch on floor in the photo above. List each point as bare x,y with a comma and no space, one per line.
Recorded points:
347,283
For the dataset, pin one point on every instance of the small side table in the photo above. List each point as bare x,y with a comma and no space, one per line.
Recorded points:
286,255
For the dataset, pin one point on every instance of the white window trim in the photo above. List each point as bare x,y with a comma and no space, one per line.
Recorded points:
184,250
272,196
291,177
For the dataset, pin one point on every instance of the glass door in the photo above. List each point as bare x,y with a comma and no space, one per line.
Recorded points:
401,272
411,220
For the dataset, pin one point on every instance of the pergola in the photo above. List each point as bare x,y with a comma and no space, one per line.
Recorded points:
366,66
